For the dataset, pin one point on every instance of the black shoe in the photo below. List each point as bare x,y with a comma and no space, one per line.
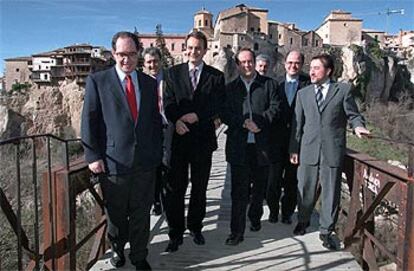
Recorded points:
273,218
157,209
173,244
300,228
234,239
255,227
330,241
287,220
118,258
142,265
198,238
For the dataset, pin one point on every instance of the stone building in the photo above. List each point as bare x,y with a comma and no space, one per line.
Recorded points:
17,70
203,21
243,26
175,43
373,36
81,59
339,28
47,67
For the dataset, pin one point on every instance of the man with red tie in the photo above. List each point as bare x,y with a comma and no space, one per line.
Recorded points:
121,133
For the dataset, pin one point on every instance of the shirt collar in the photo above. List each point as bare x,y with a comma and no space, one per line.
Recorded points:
251,80
199,67
292,79
122,74
325,85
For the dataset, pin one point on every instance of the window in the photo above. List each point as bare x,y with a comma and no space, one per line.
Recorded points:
280,36
172,46
291,40
258,29
199,23
256,46
270,36
326,36
17,70
206,23
305,42
216,46
252,29
182,46
152,44
317,43
345,24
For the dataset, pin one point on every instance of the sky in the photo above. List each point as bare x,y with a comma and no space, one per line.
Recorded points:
34,26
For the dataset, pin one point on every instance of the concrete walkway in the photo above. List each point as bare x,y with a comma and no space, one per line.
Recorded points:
272,248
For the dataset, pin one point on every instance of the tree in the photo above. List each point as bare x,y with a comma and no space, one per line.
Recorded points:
166,58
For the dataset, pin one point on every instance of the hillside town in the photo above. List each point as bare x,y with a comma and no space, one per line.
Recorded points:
233,28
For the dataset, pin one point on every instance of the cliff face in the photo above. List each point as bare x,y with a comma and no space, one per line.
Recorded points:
373,75
54,110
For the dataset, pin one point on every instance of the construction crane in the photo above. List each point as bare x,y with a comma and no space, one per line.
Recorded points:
388,12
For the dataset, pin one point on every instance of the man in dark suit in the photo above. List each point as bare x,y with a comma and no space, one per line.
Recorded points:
121,132
251,103
318,145
153,67
194,91
282,174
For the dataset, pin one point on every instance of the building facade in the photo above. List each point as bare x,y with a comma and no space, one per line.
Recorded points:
341,29
17,71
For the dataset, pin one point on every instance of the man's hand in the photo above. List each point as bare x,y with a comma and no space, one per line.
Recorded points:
361,132
217,123
97,167
294,158
251,126
189,118
181,128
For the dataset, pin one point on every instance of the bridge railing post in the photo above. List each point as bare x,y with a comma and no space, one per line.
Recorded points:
408,257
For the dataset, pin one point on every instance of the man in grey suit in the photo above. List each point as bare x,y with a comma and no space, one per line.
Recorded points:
318,145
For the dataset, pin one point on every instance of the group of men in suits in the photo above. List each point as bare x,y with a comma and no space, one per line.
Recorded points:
127,113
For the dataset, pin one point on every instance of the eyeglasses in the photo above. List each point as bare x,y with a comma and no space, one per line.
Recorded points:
293,63
126,54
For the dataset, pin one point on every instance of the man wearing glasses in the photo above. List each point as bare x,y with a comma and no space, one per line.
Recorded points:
121,133
282,174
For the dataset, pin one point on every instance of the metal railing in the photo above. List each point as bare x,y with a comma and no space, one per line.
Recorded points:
55,240
42,214
375,185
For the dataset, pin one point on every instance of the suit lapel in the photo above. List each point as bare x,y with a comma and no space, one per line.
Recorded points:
203,77
333,89
187,80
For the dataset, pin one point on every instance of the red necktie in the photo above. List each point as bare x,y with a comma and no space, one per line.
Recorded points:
132,99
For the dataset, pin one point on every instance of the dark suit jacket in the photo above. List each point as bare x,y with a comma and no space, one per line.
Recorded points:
265,104
280,128
315,132
108,130
205,101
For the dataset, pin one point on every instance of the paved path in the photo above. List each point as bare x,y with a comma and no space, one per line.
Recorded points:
272,248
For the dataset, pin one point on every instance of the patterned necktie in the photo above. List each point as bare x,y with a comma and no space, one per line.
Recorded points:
193,75
132,99
319,96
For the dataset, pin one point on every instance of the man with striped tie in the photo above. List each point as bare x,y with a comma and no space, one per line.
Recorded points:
318,145
193,97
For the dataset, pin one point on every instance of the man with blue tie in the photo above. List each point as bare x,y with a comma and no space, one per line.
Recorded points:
282,174
121,133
